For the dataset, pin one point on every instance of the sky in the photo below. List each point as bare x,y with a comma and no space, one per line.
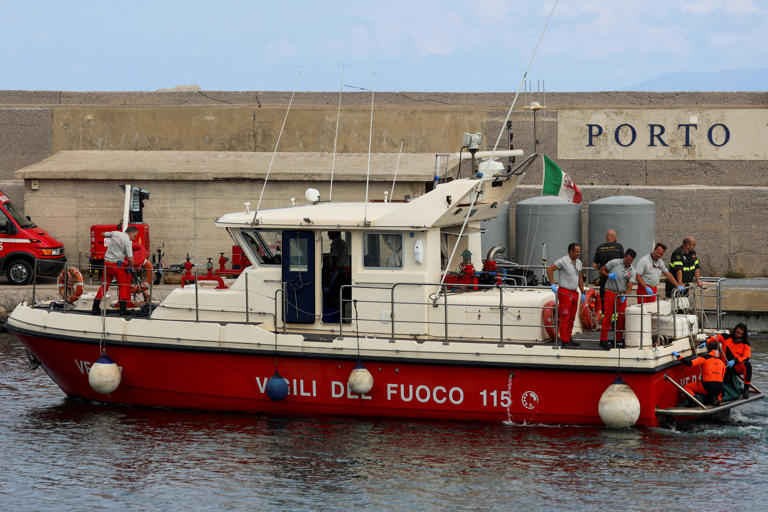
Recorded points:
446,45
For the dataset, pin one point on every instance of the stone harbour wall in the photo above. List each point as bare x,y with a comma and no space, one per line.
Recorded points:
717,194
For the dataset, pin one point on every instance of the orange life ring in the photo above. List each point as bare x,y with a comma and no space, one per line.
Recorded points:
71,284
590,310
548,318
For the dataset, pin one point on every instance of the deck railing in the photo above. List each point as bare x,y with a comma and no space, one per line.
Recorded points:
438,297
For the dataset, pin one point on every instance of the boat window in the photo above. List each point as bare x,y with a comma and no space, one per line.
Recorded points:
299,255
264,246
383,250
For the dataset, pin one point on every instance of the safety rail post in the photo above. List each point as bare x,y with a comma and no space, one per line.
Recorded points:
151,277
66,283
278,291
197,306
674,320
285,305
501,315
444,291
658,326
555,315
34,281
247,307
615,323
642,309
719,307
392,311
341,307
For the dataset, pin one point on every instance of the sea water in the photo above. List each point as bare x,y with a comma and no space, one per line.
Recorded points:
59,454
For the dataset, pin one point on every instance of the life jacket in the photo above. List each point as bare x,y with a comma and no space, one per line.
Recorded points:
713,368
738,351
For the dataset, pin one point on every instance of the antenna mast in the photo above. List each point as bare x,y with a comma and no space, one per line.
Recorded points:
370,137
266,178
335,137
522,81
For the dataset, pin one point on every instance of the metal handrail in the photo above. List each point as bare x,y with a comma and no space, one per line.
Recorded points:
443,289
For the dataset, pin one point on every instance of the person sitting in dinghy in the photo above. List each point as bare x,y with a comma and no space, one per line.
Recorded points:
712,374
736,352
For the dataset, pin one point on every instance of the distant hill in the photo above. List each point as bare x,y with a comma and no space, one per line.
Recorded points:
733,80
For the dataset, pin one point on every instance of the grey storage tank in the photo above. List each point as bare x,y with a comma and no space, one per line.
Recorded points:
633,218
496,231
548,220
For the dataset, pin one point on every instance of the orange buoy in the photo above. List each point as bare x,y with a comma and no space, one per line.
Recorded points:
590,310
548,318
71,284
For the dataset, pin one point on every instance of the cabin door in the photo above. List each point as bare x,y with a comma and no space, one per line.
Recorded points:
299,277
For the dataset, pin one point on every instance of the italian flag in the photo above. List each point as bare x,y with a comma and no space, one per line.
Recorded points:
558,183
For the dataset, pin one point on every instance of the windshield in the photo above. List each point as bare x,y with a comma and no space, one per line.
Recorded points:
18,215
265,246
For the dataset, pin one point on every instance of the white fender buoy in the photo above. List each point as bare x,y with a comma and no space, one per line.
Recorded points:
277,387
104,375
619,406
360,380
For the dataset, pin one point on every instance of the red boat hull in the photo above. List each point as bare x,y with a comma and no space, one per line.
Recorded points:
235,381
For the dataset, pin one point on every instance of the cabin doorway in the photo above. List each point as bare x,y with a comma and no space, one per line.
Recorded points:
299,277
337,273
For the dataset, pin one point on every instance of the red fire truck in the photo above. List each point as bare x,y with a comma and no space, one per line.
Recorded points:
22,243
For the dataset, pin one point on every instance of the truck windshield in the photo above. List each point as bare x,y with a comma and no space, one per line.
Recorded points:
18,215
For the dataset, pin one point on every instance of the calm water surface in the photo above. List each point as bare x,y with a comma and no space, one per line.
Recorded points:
57,454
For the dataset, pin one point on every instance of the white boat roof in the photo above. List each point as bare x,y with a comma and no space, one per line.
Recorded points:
446,205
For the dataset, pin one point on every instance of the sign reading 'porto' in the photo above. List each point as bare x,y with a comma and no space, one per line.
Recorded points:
663,134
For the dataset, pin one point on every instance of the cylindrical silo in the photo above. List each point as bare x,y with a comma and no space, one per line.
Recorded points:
633,218
546,220
496,231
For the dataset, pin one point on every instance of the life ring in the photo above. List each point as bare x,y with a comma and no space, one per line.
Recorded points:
548,318
590,310
71,284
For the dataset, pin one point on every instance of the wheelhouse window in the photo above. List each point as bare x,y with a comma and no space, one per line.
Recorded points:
299,255
264,246
383,250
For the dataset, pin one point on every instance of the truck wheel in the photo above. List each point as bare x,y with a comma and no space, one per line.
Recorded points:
19,272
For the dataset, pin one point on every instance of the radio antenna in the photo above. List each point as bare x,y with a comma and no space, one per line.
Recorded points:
522,81
370,138
470,210
335,137
266,178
